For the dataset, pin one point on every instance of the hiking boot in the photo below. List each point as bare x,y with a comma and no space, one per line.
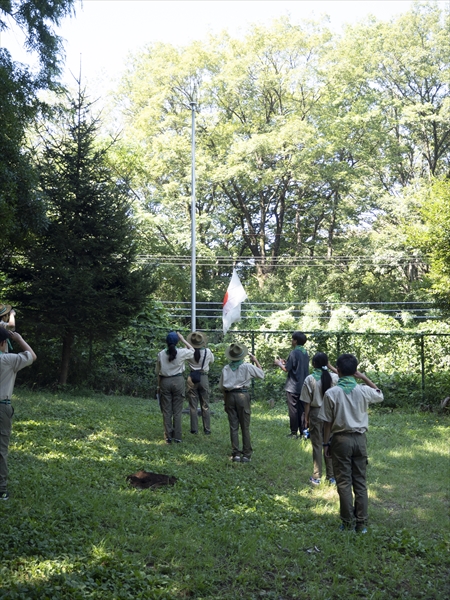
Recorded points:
314,481
4,496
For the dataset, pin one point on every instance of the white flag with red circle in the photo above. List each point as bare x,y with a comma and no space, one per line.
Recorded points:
232,301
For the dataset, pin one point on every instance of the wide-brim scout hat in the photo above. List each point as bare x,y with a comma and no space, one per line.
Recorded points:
4,309
236,351
197,339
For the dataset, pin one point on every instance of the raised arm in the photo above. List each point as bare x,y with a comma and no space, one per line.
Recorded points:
187,344
366,380
255,360
12,320
16,337
279,362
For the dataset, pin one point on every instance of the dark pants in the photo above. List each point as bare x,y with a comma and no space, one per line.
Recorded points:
237,407
171,390
349,454
316,437
6,414
296,413
198,393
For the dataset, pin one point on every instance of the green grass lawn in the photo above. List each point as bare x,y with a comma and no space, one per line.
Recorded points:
74,529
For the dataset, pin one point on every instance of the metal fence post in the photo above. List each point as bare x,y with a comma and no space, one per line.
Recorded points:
422,363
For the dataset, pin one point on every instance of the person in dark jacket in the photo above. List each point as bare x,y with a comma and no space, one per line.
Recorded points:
297,368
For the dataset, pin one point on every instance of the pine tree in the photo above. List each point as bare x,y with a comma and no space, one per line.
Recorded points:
80,276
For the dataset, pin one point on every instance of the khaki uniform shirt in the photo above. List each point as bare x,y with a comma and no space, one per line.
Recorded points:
348,411
10,364
241,378
312,390
175,367
209,359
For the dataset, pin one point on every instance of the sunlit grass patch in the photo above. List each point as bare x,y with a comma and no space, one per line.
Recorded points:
74,529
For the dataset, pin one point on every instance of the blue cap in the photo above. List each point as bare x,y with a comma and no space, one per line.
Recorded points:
172,338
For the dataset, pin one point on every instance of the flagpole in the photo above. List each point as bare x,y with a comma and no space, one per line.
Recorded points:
193,225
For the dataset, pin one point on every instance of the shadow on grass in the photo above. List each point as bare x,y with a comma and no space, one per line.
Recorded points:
73,529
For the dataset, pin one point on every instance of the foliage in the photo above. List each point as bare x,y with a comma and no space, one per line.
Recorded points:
433,235
306,143
37,20
79,279
73,529
20,203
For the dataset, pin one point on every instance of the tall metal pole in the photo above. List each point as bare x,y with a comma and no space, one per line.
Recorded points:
193,225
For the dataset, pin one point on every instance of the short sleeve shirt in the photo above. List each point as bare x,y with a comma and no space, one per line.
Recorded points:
240,378
10,364
176,366
312,390
205,353
348,412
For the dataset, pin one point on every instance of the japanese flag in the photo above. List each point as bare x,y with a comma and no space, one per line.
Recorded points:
234,296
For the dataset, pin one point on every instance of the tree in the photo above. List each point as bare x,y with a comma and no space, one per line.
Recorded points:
304,143
20,206
80,275
432,236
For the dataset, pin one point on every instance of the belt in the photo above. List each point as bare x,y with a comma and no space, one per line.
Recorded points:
5,401
237,390
169,376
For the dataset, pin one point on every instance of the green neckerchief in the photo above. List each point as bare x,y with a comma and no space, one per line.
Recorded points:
301,348
347,383
317,374
235,364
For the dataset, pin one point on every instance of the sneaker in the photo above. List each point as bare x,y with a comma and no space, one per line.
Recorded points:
168,440
346,527
332,481
4,496
292,435
245,459
314,481
207,432
194,432
177,441
361,529
236,458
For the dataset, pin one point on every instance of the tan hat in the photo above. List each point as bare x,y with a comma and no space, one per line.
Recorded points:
4,309
197,339
236,351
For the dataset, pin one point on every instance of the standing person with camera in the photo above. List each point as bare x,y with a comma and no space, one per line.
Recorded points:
10,364
198,382
297,369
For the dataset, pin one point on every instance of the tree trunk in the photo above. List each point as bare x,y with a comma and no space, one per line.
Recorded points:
65,359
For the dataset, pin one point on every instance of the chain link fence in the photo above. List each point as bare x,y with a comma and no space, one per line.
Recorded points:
411,368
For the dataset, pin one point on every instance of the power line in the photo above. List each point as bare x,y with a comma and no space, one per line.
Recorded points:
282,262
